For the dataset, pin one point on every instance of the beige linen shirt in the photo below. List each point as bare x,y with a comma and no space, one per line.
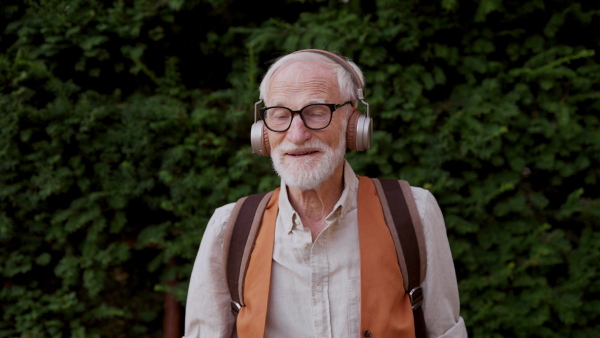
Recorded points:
315,287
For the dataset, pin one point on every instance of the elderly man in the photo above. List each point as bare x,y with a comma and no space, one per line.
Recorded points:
317,275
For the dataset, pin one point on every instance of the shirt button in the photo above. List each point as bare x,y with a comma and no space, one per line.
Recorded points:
297,221
319,288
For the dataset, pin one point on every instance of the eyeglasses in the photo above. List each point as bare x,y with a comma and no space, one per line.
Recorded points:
315,116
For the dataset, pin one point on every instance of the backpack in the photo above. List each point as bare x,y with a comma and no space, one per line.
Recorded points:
402,219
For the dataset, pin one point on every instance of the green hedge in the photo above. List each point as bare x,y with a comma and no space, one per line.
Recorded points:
123,125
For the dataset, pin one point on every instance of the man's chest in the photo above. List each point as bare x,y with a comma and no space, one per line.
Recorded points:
316,286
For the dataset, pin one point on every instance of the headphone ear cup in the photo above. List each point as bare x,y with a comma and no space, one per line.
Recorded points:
351,130
364,132
259,139
359,131
265,142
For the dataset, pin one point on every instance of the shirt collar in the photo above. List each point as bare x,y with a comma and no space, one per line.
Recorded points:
346,203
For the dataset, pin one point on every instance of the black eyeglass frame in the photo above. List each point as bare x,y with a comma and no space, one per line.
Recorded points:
332,107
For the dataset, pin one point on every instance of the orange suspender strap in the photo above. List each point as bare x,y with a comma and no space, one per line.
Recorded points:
238,242
245,220
385,307
252,318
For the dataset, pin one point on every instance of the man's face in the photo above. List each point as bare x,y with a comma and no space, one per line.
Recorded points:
305,158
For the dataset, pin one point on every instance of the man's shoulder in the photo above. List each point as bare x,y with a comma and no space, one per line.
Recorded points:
223,212
420,193
220,217
421,196
225,209
215,229
425,201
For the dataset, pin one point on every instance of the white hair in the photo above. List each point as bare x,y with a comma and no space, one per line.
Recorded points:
348,89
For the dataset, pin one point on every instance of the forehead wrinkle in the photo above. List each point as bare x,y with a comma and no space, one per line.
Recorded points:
312,86
314,82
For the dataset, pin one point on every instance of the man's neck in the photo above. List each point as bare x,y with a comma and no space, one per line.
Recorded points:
313,206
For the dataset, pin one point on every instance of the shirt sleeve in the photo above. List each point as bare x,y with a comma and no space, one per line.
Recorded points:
208,308
441,304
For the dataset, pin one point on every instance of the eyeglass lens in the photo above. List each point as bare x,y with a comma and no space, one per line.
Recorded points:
315,116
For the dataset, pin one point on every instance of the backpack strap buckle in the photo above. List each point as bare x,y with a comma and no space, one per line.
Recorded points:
235,307
416,297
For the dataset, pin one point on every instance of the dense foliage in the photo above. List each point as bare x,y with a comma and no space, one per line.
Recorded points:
124,124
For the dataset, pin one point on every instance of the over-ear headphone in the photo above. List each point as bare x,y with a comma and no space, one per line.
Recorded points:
360,126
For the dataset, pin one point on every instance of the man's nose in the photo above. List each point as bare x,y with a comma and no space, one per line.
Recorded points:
298,133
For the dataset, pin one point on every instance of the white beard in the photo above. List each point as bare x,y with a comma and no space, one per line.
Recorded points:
310,173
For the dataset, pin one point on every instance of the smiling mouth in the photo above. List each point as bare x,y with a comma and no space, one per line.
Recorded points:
304,153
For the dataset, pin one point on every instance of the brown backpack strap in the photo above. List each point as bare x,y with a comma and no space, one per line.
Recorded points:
406,228
238,241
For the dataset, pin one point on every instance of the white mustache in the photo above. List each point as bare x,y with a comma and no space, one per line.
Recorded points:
312,144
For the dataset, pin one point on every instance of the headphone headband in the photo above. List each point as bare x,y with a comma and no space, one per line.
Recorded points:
342,62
